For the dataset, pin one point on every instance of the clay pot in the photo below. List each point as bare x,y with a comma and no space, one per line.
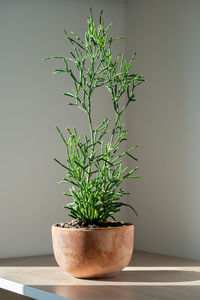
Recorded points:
93,252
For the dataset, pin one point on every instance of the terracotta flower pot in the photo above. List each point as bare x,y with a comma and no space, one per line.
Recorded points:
93,252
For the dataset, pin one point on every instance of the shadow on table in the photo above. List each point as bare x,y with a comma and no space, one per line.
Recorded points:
155,276
118,292
30,261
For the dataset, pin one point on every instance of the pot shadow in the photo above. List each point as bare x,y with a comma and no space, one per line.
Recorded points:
155,276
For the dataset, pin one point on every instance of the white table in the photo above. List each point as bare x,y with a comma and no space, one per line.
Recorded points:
148,277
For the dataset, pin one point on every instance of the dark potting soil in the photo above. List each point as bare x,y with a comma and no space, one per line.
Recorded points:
83,224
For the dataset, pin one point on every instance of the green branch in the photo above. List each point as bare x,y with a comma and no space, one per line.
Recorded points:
94,167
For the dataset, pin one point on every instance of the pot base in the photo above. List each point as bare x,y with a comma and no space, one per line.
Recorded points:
103,276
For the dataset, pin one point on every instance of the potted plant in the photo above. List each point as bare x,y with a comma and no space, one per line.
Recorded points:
91,246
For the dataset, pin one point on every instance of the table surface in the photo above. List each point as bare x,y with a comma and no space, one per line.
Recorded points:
148,277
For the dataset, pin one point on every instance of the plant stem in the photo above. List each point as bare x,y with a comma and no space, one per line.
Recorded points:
113,132
91,133
91,129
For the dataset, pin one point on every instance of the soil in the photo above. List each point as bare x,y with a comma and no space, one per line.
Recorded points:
83,224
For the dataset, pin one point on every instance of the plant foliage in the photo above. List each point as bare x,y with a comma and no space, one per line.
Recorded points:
94,168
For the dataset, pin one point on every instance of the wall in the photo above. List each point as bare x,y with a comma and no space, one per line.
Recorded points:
165,122
31,105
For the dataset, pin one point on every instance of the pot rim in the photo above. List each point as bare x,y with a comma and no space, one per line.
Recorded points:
92,229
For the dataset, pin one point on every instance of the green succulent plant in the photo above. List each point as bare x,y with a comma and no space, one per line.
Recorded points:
95,168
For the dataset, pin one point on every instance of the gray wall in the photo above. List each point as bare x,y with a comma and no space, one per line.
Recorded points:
165,123
31,105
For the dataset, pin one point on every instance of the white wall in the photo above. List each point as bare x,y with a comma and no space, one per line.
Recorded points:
31,105
165,122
